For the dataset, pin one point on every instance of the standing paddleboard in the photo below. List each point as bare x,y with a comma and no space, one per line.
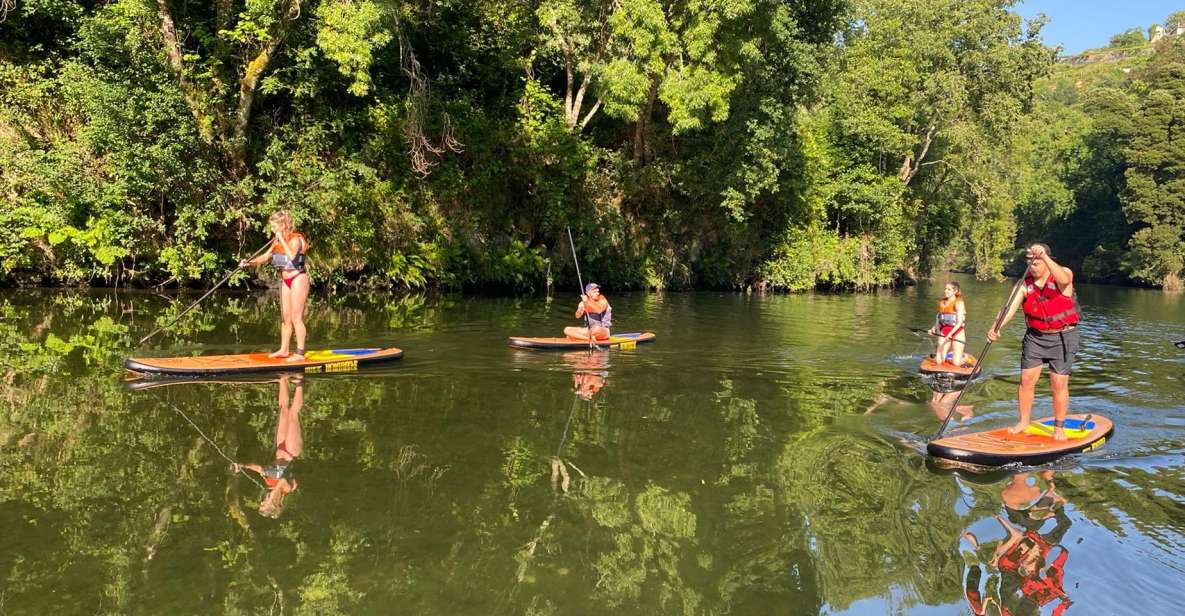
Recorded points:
334,360
622,341
929,366
1034,446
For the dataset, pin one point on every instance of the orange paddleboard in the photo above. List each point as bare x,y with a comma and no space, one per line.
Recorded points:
624,341
999,447
929,366
333,360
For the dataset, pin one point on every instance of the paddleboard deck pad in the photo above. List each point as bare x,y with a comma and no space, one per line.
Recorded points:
992,448
332,360
621,341
929,366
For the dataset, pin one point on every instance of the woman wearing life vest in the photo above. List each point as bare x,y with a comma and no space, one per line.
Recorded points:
949,324
1052,336
288,256
599,313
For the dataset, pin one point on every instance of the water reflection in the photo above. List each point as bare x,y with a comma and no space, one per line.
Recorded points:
589,371
1020,568
278,477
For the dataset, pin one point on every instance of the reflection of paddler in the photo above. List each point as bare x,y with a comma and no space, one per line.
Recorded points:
589,371
277,476
596,311
1027,504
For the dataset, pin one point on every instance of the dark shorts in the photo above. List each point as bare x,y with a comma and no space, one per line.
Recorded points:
1057,350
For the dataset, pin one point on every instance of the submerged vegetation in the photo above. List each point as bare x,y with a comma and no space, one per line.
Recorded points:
749,143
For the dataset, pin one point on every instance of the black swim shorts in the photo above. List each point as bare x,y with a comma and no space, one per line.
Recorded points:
1056,349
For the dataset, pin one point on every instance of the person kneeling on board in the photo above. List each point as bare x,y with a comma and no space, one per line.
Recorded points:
595,309
1052,337
949,326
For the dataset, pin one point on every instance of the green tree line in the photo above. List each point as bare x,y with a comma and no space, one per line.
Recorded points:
744,143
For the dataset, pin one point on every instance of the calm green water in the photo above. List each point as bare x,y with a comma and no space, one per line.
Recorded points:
760,458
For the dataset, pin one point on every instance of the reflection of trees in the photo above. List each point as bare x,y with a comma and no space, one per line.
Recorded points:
875,519
684,503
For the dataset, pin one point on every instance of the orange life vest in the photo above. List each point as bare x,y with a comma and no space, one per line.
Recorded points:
304,245
948,312
1047,308
280,258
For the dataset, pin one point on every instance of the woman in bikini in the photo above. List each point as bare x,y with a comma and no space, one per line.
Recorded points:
288,255
277,476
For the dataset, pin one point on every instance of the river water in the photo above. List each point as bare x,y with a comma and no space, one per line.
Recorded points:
761,457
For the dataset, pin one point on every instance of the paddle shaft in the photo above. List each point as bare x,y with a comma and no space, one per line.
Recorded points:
926,332
983,354
580,281
204,296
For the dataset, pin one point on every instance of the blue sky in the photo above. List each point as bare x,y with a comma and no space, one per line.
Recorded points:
1077,25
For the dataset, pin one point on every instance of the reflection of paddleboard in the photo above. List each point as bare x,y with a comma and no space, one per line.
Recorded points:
622,341
335,360
929,366
139,382
998,447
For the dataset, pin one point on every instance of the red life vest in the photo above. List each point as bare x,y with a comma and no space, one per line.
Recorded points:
1047,308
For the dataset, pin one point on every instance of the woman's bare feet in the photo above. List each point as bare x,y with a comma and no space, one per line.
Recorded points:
1059,434
296,357
281,354
966,412
1018,428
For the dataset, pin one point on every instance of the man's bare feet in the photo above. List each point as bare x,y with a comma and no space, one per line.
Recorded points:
966,412
1059,434
1018,428
278,354
296,357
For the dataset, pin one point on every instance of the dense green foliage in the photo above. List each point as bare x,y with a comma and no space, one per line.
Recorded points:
785,145
1112,166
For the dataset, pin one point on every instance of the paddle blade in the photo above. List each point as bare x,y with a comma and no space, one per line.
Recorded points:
1180,344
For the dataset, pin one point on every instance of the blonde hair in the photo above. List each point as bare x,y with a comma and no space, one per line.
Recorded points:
283,218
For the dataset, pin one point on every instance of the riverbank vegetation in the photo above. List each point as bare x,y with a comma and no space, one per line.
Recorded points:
749,143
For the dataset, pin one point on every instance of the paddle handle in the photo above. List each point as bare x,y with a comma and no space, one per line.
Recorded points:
983,354
204,296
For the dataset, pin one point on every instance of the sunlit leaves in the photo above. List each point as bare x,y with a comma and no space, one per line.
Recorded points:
350,33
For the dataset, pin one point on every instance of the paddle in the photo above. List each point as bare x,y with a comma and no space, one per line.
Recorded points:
925,332
983,354
580,280
1180,344
204,296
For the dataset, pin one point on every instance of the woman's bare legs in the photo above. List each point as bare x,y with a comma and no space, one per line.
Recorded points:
298,296
959,342
288,431
285,321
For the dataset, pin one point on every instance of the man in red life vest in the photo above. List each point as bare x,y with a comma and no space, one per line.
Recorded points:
1052,337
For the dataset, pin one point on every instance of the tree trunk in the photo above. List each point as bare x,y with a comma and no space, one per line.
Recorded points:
910,166
641,146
